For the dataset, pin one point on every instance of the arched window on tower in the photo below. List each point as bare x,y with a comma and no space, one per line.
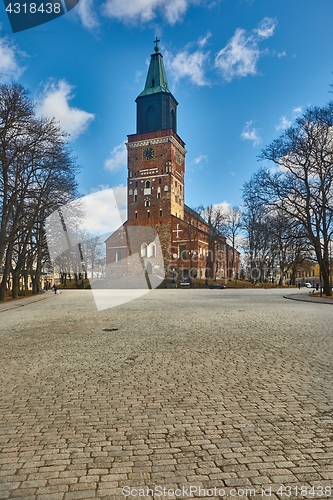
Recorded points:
147,184
173,120
150,119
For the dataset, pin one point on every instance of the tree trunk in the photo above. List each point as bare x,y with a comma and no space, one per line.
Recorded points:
16,283
6,272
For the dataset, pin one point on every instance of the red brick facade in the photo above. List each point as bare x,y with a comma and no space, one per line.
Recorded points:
156,200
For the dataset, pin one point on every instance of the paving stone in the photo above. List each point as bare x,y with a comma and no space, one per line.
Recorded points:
216,396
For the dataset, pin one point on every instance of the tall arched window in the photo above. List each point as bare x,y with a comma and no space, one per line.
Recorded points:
144,250
150,118
173,120
152,250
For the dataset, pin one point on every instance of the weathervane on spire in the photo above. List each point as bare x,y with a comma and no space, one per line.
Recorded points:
156,48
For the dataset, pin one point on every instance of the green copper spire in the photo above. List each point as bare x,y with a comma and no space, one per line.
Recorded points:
156,107
156,78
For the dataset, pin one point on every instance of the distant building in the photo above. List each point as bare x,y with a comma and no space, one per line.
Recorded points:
156,168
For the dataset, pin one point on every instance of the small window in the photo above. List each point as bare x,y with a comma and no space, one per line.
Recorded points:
136,184
147,184
135,197
152,250
136,215
182,252
160,180
148,214
118,256
160,212
159,195
144,250
147,203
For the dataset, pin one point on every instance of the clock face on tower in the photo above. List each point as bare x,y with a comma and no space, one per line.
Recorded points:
148,153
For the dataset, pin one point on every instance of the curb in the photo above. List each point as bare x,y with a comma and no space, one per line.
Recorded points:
305,298
22,302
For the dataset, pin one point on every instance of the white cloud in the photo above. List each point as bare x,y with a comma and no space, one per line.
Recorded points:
98,212
283,124
10,67
298,110
138,75
203,41
241,54
146,10
200,159
286,122
187,65
266,28
87,14
282,54
105,210
239,57
250,133
117,158
54,102
223,207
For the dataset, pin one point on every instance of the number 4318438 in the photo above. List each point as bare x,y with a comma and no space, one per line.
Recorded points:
305,491
33,8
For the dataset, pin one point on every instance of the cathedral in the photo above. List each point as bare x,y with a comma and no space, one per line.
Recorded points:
160,228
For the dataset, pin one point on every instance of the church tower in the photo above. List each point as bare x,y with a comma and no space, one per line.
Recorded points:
155,181
156,155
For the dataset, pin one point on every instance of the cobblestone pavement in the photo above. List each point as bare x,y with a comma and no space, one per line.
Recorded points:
220,389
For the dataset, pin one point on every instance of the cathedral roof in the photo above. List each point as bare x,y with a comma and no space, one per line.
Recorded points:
156,79
194,214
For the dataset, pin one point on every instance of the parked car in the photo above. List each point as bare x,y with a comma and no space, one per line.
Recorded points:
185,282
217,285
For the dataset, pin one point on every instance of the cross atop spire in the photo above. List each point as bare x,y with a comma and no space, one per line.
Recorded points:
156,48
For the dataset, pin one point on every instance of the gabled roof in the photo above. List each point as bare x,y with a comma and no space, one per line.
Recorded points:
195,214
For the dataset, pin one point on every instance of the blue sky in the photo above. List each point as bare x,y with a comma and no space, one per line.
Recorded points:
241,70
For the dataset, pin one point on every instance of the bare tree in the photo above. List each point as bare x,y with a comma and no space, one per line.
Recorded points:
214,217
276,243
231,226
37,175
302,188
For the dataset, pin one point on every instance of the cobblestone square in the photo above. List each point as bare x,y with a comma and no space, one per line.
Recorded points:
227,392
